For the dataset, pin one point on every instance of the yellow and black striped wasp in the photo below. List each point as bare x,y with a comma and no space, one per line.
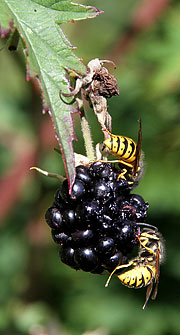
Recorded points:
129,154
143,271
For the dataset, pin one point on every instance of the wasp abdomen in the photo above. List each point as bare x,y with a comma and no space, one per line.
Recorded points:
123,147
138,277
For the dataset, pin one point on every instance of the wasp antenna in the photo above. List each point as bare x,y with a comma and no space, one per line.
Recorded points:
146,225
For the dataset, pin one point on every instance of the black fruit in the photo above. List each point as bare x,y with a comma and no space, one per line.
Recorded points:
89,211
106,246
69,219
111,262
78,190
61,238
58,201
101,190
54,218
86,259
82,173
96,226
83,237
67,257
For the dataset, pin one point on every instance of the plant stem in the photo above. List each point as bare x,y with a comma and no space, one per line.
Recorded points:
87,138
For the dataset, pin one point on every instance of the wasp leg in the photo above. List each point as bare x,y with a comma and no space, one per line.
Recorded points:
124,170
144,244
125,163
118,268
121,175
117,161
146,239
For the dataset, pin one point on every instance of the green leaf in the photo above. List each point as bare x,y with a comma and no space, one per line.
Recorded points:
49,53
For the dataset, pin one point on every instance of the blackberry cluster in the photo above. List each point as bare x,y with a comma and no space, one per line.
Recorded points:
96,226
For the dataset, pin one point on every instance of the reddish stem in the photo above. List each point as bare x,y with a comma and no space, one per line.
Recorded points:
145,14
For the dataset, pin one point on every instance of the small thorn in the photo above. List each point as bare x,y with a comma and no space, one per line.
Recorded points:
28,77
45,110
27,71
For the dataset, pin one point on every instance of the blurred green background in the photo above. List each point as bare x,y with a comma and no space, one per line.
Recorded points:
39,294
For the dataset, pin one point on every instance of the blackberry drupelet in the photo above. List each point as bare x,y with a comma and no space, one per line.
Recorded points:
96,226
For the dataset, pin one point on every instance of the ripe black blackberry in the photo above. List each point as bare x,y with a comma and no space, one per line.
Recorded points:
96,226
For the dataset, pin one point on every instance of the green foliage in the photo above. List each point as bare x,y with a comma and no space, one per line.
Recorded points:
38,292
48,54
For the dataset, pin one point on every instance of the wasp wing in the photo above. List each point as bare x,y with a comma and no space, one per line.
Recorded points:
138,148
153,297
148,294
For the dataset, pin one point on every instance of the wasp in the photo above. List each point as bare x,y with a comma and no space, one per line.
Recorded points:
127,151
143,271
